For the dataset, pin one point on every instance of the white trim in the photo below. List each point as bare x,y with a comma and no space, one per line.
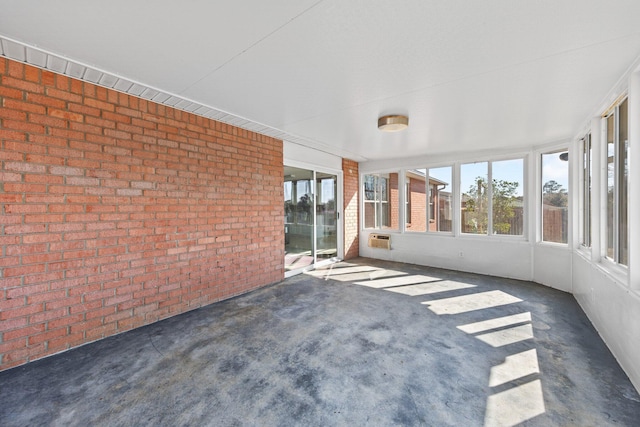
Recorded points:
633,195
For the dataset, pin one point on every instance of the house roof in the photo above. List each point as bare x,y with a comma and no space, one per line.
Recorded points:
496,74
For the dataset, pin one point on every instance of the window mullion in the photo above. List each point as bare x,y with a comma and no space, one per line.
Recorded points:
616,187
490,199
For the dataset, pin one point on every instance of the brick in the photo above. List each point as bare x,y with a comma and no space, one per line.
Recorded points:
12,114
8,315
23,332
46,336
65,342
66,115
47,120
124,203
24,167
62,170
32,74
64,95
19,83
9,346
7,92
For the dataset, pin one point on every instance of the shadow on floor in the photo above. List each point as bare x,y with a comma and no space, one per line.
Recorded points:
357,343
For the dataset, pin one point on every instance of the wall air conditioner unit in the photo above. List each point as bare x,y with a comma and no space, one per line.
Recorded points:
380,241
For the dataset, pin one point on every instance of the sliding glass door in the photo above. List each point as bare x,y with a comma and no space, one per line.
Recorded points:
311,217
326,216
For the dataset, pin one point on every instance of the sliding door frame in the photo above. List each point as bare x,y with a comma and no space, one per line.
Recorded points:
339,220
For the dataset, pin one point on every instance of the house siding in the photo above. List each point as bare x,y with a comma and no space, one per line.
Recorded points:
117,212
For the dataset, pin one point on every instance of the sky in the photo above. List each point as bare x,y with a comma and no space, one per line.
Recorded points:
555,169
504,170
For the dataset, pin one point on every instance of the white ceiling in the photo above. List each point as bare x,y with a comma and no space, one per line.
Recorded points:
471,75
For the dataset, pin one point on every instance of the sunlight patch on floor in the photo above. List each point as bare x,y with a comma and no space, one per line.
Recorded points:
507,336
466,303
515,405
387,282
516,366
498,322
349,274
430,288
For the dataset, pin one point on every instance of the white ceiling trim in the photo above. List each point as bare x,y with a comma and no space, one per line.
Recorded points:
40,58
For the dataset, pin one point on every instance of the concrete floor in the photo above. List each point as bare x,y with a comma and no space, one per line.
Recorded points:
360,343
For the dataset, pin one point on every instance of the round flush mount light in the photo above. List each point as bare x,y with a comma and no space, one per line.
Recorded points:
393,123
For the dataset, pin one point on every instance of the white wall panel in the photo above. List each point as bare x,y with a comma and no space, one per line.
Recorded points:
552,266
494,257
614,311
309,156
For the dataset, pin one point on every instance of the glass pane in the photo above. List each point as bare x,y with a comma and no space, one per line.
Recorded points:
611,176
326,216
586,195
623,181
390,201
555,197
298,211
416,200
370,185
474,204
383,217
440,206
507,201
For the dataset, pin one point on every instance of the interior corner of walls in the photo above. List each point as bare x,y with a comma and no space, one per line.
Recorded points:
553,266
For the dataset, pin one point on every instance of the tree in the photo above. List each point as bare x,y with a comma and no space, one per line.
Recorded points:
553,194
504,201
304,208
476,215
555,202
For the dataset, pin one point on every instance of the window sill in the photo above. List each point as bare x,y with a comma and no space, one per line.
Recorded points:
494,237
561,246
584,252
616,272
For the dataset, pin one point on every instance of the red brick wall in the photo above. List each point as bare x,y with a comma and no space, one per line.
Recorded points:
117,212
351,202
394,201
418,205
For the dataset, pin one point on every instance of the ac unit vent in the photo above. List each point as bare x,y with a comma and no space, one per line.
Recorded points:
380,241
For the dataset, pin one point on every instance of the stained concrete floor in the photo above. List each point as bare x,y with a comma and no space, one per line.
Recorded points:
359,343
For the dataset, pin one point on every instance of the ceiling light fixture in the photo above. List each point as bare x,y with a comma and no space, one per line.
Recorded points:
393,123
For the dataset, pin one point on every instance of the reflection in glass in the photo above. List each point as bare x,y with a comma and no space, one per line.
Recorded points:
326,216
586,188
298,211
611,179
623,183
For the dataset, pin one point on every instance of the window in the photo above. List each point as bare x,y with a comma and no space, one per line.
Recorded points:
586,191
495,209
474,205
416,200
381,201
555,197
440,209
507,199
407,202
429,199
617,247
